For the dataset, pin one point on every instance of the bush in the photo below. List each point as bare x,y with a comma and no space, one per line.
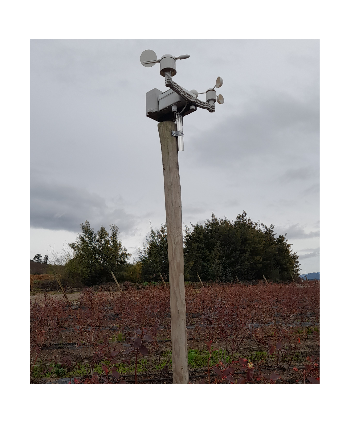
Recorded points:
225,251
222,250
154,256
133,273
96,256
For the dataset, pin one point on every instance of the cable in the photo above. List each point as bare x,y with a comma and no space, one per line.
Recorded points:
183,108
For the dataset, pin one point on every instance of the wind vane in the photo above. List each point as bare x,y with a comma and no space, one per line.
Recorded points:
177,102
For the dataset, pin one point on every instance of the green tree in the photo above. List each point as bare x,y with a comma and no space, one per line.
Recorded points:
133,272
154,256
96,255
222,250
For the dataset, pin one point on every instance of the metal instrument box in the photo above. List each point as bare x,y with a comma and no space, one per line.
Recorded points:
159,105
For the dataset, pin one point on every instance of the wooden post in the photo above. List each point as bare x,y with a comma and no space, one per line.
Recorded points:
116,281
173,211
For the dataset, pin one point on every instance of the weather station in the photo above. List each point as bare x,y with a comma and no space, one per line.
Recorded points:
177,102
168,108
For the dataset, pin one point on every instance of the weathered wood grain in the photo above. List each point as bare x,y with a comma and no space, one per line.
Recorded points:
172,190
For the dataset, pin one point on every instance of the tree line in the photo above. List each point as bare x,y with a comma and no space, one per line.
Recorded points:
217,250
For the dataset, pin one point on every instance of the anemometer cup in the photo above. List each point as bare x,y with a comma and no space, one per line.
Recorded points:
211,96
167,65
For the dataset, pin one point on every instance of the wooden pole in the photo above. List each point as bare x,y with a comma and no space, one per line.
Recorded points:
172,190
116,281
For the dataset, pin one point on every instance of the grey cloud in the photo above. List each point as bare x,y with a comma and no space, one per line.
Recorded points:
60,207
191,213
301,173
313,253
191,209
268,125
313,189
231,202
296,231
280,204
82,65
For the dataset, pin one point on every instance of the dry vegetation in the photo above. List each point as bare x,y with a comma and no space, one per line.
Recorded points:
239,334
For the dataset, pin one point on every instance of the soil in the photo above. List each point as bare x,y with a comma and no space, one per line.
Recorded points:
59,296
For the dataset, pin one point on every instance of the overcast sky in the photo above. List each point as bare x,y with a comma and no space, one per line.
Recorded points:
96,156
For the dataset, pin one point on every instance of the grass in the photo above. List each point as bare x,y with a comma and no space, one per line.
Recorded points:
196,359
117,338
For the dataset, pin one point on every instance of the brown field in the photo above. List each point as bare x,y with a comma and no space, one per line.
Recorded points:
261,334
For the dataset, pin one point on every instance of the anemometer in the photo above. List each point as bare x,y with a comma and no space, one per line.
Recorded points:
177,102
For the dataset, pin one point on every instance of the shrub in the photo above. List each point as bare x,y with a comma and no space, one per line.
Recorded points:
96,256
